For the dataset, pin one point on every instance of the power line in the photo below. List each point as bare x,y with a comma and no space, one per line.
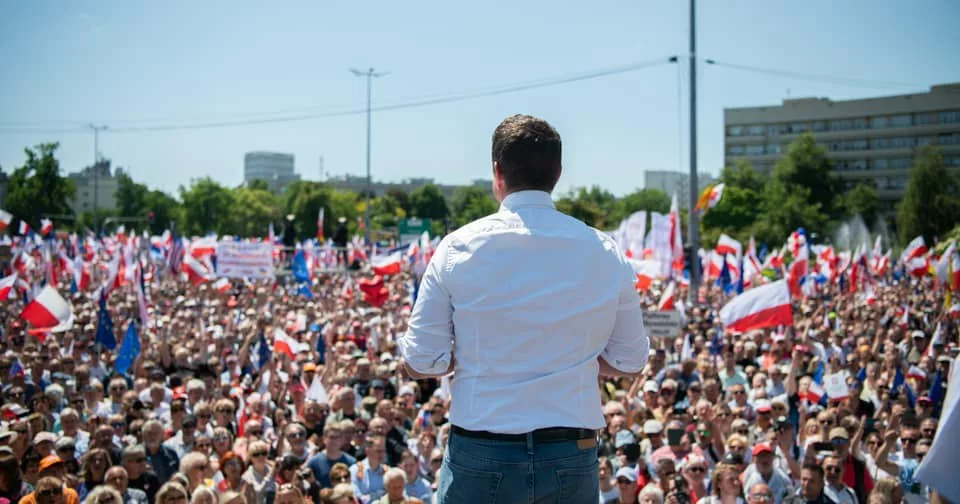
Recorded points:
864,83
412,103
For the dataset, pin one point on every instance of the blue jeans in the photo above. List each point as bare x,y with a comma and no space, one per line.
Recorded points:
481,471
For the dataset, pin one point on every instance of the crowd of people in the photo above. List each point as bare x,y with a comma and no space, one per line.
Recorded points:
215,411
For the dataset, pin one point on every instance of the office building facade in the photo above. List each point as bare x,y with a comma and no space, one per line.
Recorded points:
275,168
95,183
871,141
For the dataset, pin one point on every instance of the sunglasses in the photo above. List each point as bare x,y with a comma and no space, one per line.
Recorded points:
296,435
761,497
258,454
838,441
624,481
697,469
340,479
908,440
118,425
203,446
833,469
255,433
50,492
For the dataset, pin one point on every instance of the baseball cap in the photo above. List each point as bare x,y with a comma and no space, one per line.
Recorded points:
917,334
66,443
763,405
626,472
624,438
652,427
44,437
49,461
761,448
732,458
405,390
309,367
651,386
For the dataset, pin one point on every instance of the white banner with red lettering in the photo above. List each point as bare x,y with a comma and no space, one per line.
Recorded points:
244,260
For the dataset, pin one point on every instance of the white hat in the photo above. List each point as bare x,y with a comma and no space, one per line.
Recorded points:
651,386
652,427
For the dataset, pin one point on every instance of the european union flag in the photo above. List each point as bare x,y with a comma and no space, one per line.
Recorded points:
300,272
304,290
105,326
129,350
263,352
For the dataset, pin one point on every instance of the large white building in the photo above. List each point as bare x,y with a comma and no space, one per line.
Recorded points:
276,168
95,183
675,182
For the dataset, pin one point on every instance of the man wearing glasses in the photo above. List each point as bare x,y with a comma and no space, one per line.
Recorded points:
855,473
763,471
759,493
835,488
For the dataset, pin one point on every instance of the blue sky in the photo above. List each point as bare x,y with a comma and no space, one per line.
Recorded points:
64,64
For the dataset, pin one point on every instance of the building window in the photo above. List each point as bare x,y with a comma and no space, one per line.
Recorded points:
819,126
948,139
903,142
841,125
950,116
879,122
900,121
901,163
735,131
773,130
798,127
860,123
754,150
859,145
773,148
952,161
756,130
735,150
924,140
880,164
927,118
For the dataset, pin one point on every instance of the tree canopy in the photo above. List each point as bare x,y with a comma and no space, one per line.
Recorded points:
931,203
37,189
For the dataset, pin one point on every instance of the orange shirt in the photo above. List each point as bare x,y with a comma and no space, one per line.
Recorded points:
69,494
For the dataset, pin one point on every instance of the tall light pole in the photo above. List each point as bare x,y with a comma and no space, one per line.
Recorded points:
96,175
694,223
369,74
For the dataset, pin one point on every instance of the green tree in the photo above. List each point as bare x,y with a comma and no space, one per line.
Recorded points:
402,199
807,166
595,206
259,184
743,195
384,211
428,202
207,206
861,200
649,200
471,203
253,210
37,188
931,203
304,199
167,211
130,196
784,209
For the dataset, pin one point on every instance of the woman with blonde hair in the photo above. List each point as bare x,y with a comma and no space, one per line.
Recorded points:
104,494
204,495
288,493
171,493
886,491
93,470
726,486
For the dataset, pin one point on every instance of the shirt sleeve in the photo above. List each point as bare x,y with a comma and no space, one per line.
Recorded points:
629,346
428,343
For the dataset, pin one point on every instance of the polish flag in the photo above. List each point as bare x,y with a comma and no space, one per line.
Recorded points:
904,314
727,245
47,310
24,228
943,266
203,247
881,264
869,296
81,273
954,311
765,306
798,269
916,373
197,271
733,268
918,266
916,248
6,285
709,198
676,237
795,242
46,225
5,219
283,343
222,285
814,393
388,264
347,292
715,267
647,270
668,298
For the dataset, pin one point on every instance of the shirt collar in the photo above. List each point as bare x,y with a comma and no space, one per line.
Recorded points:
520,199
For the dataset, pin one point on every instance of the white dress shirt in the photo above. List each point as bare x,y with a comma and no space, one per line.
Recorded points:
527,298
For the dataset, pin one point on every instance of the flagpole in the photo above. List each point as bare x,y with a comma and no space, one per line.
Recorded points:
693,222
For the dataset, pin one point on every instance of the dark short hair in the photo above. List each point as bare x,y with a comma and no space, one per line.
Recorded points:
528,151
814,468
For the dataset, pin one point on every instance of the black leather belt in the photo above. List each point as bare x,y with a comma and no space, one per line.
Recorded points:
548,435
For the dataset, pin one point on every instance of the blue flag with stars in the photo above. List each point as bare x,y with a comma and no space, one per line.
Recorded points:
129,350
263,351
105,326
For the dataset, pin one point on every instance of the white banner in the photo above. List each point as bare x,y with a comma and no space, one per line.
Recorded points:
244,260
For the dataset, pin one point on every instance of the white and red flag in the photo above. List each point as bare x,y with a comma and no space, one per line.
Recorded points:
764,306
47,310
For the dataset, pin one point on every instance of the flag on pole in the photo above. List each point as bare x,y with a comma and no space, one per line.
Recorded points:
5,219
46,226
47,310
129,350
6,285
709,197
105,335
320,225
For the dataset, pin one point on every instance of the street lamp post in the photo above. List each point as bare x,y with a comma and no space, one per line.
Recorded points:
369,74
96,175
